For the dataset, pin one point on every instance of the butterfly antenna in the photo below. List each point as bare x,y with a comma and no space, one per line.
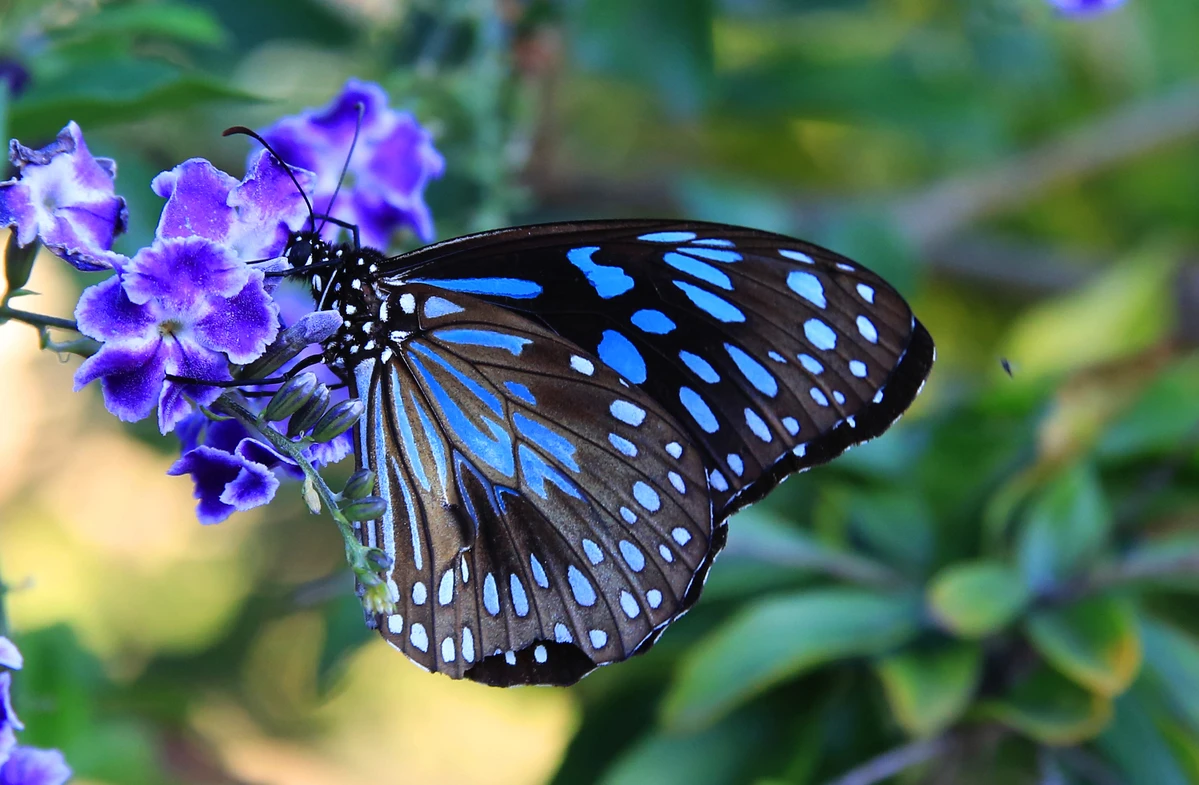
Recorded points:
345,167
241,130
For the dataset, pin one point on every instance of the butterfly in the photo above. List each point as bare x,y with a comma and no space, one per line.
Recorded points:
562,418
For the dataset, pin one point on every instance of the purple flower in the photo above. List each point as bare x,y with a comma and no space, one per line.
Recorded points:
252,218
1085,7
13,76
185,307
8,717
227,482
392,163
31,766
64,196
10,657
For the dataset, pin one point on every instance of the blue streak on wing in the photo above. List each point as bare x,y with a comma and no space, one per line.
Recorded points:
537,471
619,354
431,433
490,338
481,392
405,426
495,451
608,282
714,254
717,307
439,306
548,440
701,270
753,370
668,237
502,287
717,243
652,321
521,392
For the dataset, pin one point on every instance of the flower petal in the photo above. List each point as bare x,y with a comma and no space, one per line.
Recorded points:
131,375
8,717
105,313
10,656
178,273
197,195
32,766
241,326
188,358
253,486
268,207
214,472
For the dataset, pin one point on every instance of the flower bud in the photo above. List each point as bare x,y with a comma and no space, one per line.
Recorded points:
379,560
18,262
380,596
310,413
311,497
360,484
339,419
312,328
291,397
365,509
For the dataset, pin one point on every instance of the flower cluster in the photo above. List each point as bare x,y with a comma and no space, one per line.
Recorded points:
194,314
21,765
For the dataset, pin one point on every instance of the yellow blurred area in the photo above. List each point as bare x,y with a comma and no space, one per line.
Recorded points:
94,534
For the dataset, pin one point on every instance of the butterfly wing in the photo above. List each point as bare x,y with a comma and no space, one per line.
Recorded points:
543,516
775,354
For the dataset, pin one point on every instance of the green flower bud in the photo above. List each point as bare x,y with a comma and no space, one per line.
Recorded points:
18,262
291,397
360,484
339,419
365,509
380,596
379,560
310,413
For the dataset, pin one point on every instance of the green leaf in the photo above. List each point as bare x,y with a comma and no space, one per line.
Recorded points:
895,525
1136,745
114,91
976,599
1172,664
1095,642
174,21
929,690
1170,560
1050,708
666,44
344,634
1066,528
780,638
715,755
1159,421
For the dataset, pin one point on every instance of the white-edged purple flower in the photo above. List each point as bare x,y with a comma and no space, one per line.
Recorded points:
10,656
392,163
252,218
231,470
183,306
1085,7
8,717
31,766
64,195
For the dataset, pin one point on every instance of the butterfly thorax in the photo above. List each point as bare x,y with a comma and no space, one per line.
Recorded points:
345,278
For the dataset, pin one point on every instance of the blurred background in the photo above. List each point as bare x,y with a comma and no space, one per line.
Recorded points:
1001,589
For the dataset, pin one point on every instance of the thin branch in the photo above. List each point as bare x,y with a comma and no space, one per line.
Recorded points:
934,214
36,319
894,761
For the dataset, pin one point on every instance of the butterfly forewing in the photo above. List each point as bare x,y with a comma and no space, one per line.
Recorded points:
544,516
774,354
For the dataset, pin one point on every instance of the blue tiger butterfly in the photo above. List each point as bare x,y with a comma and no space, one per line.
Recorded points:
562,417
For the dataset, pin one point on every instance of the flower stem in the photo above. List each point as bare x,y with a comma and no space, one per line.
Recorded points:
36,319
356,552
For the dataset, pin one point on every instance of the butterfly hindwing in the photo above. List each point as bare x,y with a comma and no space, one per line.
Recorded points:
774,354
544,517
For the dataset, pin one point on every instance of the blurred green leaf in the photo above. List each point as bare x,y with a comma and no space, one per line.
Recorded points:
1050,708
1065,529
976,599
174,21
780,638
1172,664
716,755
115,91
1095,642
1120,313
897,526
929,689
1135,743
665,44
1165,415
1170,560
345,633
